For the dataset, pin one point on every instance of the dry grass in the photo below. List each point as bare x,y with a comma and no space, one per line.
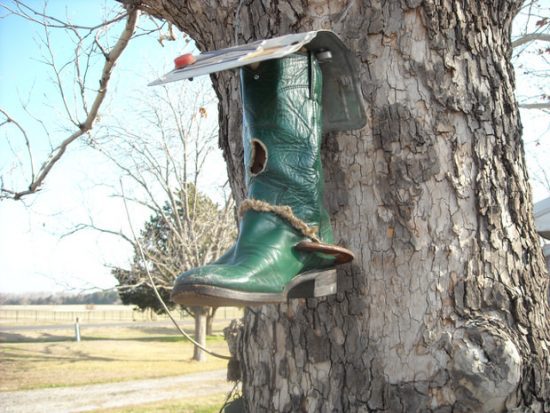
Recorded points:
51,358
209,404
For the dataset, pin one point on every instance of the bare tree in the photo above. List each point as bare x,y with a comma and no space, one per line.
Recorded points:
89,44
80,101
161,253
162,158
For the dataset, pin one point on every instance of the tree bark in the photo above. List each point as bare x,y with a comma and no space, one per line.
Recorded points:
444,308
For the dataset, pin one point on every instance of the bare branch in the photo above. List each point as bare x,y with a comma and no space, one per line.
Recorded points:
530,38
25,11
163,153
541,105
58,76
9,119
92,226
86,126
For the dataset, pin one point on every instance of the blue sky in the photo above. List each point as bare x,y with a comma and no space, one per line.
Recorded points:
33,254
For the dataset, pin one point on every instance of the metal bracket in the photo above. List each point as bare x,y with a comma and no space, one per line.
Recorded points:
343,106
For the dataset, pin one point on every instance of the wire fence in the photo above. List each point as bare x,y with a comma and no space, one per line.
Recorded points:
98,313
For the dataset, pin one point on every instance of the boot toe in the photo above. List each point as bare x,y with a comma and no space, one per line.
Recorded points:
223,285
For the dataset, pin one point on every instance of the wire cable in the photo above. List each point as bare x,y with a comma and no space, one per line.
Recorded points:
142,255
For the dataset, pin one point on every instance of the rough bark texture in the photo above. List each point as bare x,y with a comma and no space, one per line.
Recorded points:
444,308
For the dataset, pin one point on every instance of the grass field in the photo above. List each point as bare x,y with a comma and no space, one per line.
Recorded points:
210,404
52,358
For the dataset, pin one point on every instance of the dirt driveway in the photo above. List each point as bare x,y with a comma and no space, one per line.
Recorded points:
98,396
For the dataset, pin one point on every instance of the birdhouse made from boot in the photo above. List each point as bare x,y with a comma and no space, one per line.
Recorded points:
293,88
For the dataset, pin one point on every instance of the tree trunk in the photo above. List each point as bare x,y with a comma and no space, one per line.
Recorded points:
444,307
200,332
210,320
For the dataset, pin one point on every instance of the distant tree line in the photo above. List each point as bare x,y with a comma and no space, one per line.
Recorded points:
96,297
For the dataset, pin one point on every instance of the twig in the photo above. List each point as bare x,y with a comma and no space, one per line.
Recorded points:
81,227
9,119
60,23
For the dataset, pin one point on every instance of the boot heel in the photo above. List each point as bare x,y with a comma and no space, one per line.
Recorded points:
313,284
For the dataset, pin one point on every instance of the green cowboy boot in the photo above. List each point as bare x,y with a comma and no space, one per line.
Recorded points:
284,249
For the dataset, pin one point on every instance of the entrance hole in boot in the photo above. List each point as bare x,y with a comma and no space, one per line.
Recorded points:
259,157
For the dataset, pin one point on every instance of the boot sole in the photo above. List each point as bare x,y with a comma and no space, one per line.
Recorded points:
310,284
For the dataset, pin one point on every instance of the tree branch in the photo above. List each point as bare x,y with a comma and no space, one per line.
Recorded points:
530,38
26,12
81,227
542,105
9,119
86,126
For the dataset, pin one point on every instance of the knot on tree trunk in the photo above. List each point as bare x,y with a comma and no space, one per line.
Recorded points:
485,367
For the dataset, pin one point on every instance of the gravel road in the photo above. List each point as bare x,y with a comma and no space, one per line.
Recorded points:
102,396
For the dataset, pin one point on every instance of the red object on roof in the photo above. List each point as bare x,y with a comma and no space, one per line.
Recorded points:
184,60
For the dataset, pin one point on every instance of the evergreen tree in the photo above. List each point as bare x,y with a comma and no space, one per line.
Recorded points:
172,241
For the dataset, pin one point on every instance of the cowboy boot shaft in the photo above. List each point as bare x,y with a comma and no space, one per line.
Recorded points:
284,248
282,134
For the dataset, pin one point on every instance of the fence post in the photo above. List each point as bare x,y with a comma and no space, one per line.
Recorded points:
77,330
